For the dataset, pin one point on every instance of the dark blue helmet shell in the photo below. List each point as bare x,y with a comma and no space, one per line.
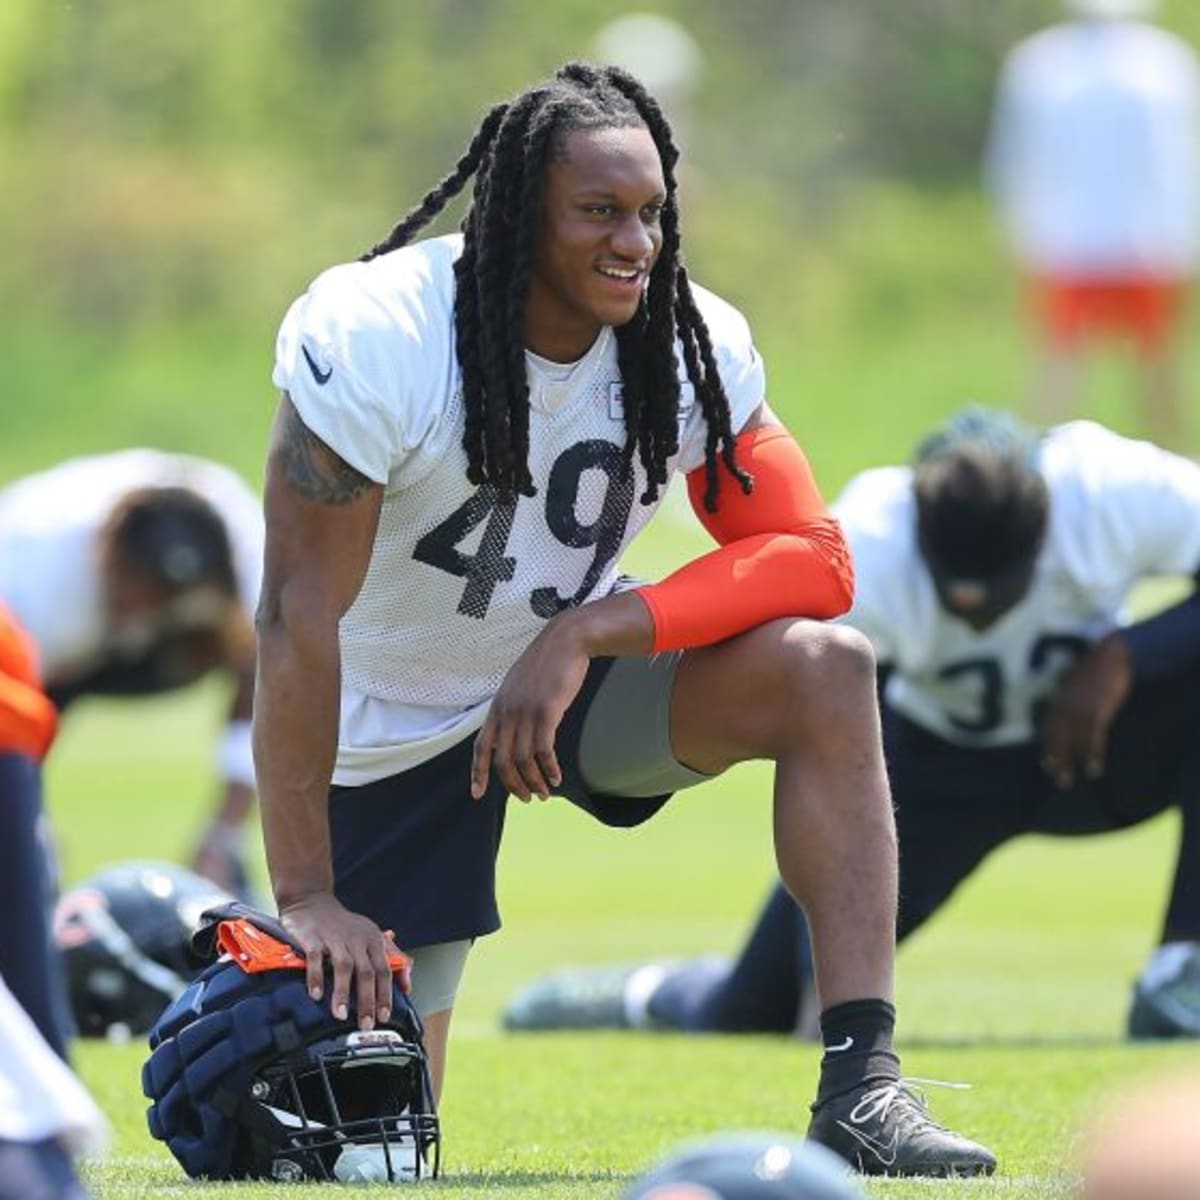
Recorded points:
123,934
250,1078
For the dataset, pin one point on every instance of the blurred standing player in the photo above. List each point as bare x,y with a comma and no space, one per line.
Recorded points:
991,581
28,722
472,430
45,1114
1093,164
136,573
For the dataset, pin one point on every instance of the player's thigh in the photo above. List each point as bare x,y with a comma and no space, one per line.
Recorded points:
1153,757
769,690
624,745
416,854
954,805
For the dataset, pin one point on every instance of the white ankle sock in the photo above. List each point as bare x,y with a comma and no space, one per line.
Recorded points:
639,987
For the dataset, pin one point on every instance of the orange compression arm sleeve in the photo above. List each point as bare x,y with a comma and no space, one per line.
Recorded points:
781,555
27,717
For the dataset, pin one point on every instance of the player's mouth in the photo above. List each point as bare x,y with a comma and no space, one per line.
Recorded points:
623,278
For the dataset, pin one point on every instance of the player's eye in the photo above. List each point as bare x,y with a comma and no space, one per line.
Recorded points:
653,212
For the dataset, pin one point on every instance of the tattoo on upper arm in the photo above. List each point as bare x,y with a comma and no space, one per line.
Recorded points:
314,470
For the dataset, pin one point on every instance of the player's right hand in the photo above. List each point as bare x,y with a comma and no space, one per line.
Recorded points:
1082,710
354,946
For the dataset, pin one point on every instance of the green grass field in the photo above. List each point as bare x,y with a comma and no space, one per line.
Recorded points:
1018,988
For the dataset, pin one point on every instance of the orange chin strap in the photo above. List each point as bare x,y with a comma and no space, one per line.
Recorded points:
255,950
28,720
781,555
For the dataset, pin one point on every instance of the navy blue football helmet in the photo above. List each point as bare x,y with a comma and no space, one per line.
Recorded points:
747,1166
123,935
250,1078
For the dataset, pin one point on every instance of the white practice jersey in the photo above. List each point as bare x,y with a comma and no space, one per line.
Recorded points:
1093,152
49,544
1120,511
459,582
40,1096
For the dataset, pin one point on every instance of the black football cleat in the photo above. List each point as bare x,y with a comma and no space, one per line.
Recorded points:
885,1129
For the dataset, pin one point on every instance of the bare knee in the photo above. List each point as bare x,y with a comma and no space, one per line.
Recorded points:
825,686
830,654
784,687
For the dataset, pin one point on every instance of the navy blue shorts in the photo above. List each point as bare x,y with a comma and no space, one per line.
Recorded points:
416,854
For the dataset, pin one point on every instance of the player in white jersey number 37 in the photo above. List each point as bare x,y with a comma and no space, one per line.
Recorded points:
472,431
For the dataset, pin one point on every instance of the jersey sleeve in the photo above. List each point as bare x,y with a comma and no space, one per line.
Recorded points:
362,358
740,366
876,514
1127,509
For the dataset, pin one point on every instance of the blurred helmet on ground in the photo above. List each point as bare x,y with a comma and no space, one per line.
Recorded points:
756,1165
123,934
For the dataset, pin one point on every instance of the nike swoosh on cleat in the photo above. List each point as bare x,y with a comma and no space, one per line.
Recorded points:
840,1046
322,377
884,1151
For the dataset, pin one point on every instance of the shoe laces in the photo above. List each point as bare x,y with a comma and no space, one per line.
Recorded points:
876,1102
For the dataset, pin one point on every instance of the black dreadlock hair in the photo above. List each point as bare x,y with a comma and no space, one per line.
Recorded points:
982,502
507,156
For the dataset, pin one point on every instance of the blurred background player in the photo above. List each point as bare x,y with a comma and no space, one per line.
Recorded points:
136,573
1093,164
991,580
45,1113
28,722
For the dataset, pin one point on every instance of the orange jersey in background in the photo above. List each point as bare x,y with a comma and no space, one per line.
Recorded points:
28,719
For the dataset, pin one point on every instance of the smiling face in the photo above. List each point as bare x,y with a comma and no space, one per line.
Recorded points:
600,235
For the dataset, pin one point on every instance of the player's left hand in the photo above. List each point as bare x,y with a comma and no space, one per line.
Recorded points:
1089,696
517,739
